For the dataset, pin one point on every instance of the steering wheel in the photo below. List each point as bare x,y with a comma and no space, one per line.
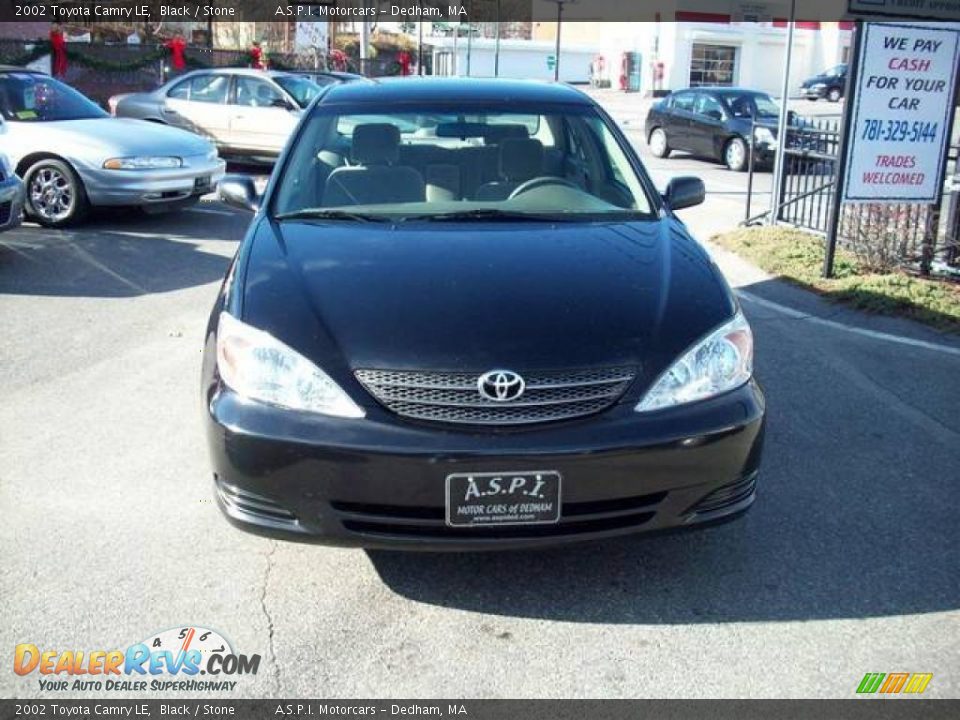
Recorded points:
534,183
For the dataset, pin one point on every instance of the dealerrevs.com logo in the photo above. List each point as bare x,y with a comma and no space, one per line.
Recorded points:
894,683
191,659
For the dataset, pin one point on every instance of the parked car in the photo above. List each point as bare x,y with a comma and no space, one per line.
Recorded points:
463,318
72,155
11,196
829,84
328,77
247,113
715,122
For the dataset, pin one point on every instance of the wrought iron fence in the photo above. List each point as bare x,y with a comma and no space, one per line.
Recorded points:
911,235
810,169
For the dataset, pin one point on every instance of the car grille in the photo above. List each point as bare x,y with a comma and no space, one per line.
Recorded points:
428,522
243,502
453,397
728,495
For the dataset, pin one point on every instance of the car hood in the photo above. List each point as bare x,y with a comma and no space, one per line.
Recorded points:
109,137
452,296
814,80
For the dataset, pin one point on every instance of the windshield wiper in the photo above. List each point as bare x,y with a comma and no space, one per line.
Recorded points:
490,214
321,214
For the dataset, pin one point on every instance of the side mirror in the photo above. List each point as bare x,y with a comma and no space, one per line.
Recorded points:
715,115
239,191
281,103
684,192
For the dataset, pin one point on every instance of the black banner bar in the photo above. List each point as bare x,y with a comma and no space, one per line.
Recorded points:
464,11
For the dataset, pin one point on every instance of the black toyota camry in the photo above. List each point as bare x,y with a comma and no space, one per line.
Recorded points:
463,318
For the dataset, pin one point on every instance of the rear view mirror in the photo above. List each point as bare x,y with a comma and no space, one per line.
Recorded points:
684,192
239,191
460,130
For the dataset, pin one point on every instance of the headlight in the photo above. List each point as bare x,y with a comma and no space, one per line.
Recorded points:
143,163
258,366
764,135
720,362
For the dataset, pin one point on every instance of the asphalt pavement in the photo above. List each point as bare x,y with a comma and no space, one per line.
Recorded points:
847,563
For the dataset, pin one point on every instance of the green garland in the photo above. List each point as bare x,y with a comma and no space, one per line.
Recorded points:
274,64
111,65
42,47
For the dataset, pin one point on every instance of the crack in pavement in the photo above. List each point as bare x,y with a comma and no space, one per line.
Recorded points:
269,618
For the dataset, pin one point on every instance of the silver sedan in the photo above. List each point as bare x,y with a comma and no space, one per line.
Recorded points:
247,113
72,155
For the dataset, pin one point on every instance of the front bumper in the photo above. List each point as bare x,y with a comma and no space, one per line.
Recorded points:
764,154
379,481
151,187
11,202
814,93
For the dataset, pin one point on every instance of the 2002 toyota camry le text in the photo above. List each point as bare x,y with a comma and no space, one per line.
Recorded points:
463,318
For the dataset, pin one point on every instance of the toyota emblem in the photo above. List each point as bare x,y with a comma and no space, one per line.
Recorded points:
500,385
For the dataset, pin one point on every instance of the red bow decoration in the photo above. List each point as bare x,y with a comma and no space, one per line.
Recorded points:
58,46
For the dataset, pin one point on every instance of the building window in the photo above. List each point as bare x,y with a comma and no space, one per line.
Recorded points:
713,65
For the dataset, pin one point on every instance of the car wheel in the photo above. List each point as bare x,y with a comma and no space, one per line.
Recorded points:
833,95
55,194
735,155
658,143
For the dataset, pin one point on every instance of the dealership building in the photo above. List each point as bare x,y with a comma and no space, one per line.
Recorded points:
697,48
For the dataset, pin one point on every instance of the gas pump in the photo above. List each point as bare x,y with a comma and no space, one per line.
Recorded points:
630,64
658,72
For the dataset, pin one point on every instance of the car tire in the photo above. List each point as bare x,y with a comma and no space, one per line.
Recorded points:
658,143
55,196
834,95
735,154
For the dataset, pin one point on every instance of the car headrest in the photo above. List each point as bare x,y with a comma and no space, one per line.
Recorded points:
520,158
375,144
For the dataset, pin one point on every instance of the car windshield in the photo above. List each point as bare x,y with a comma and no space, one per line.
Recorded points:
436,162
302,89
749,105
31,97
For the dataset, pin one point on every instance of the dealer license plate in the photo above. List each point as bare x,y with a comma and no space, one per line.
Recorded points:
509,498
201,183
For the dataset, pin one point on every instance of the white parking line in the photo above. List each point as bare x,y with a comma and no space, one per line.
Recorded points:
886,337
88,258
